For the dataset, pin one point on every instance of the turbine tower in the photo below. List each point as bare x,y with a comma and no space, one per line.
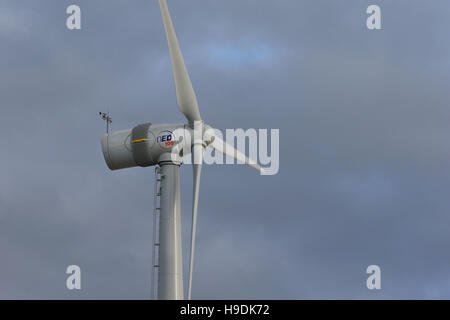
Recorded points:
165,145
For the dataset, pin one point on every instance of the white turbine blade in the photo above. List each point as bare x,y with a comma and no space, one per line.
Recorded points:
225,148
197,153
187,101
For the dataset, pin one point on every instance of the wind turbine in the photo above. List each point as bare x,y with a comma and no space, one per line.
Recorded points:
164,145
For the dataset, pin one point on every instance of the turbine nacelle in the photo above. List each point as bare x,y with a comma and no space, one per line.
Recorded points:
144,145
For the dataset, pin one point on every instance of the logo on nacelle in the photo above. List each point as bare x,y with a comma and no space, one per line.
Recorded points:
166,140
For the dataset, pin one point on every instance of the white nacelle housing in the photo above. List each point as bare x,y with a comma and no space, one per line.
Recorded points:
144,144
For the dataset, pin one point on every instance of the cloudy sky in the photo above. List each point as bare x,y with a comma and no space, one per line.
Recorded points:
364,147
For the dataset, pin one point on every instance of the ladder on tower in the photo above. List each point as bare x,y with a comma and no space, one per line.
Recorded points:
156,216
